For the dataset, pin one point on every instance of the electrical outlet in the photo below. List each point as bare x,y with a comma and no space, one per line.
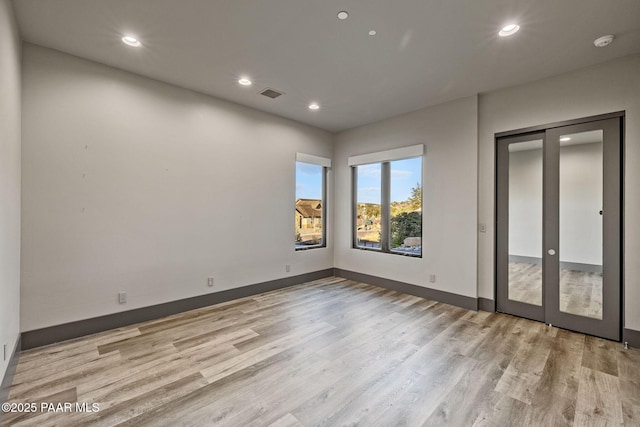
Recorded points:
122,297
210,281
432,278
482,228
287,268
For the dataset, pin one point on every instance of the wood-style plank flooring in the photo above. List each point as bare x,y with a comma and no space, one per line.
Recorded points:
580,292
330,353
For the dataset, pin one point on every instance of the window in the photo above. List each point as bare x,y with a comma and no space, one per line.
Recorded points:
388,201
310,209
405,217
369,206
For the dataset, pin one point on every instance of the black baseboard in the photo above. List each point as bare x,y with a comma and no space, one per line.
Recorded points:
7,380
631,337
53,334
486,304
433,294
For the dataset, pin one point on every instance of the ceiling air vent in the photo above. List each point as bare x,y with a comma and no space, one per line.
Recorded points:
270,93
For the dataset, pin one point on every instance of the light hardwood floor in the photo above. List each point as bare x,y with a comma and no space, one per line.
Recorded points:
580,292
329,353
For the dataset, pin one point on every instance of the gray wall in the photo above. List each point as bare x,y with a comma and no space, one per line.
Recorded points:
9,182
134,185
449,133
609,87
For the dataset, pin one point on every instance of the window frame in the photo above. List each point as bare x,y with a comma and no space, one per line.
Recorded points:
384,159
326,165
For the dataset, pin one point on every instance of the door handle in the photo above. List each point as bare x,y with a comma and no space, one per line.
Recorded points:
551,252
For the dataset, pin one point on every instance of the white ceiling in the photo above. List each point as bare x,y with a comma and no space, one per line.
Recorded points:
425,52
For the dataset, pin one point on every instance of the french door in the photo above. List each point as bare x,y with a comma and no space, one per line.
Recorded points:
559,221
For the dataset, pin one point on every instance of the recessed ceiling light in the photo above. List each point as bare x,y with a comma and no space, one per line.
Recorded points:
343,14
131,41
314,106
245,81
509,30
603,41
372,33
565,139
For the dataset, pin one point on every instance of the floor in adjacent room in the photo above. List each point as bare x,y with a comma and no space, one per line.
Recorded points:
333,352
580,291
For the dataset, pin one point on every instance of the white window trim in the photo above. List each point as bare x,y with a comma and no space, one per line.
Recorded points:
314,160
388,155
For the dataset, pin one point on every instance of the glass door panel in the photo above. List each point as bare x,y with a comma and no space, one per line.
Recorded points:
580,246
582,235
520,256
525,222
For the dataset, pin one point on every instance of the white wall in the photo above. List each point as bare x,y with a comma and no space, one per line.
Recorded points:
580,203
9,182
525,203
606,88
134,185
449,132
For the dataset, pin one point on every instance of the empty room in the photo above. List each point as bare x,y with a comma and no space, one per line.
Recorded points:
319,213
